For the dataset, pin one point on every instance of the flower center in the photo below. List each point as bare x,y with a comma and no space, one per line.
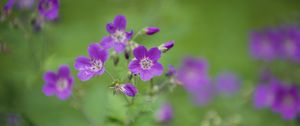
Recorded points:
61,84
96,65
119,36
288,100
146,63
47,5
290,47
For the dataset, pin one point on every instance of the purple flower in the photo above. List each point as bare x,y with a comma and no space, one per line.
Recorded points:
146,63
227,83
192,73
166,46
89,67
264,94
164,114
59,84
264,45
290,44
49,9
25,4
151,30
287,101
118,38
8,6
128,89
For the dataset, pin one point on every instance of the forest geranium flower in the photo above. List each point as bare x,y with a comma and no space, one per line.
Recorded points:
59,84
192,73
118,38
290,44
164,114
227,83
151,30
146,63
89,67
166,46
128,89
49,9
287,101
264,45
264,94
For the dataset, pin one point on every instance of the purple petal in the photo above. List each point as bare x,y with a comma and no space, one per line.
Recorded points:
101,71
134,66
157,69
96,52
64,95
9,5
129,89
154,54
129,35
120,22
164,114
49,89
85,75
146,75
107,42
110,28
119,47
51,12
140,52
82,63
50,77
64,71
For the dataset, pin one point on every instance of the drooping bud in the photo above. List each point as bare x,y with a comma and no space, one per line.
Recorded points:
171,71
166,46
151,30
128,89
127,54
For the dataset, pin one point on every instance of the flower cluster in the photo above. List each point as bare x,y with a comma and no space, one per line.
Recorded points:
48,10
145,63
276,43
282,98
281,43
193,76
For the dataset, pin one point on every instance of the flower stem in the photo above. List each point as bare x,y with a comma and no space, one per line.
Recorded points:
110,75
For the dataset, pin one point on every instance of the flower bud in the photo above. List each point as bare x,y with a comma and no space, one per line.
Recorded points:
166,46
128,89
151,30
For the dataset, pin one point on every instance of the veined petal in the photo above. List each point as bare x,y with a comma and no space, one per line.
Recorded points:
154,54
157,69
140,52
95,51
120,22
119,47
50,77
85,75
110,28
134,66
82,63
107,42
64,71
146,75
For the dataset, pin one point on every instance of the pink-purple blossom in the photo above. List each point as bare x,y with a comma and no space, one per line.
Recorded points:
164,114
59,84
49,9
146,63
118,38
128,89
92,66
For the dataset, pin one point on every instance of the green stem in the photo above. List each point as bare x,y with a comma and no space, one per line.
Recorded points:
110,75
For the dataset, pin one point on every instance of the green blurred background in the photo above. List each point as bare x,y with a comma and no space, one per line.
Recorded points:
215,30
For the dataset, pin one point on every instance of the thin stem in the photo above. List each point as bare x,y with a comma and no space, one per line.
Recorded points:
110,75
127,100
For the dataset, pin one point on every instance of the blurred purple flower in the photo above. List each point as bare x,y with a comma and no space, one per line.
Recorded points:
166,46
193,73
164,114
89,67
151,30
287,101
118,38
146,63
227,83
59,84
128,89
264,94
8,6
290,44
171,70
25,4
49,9
264,45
